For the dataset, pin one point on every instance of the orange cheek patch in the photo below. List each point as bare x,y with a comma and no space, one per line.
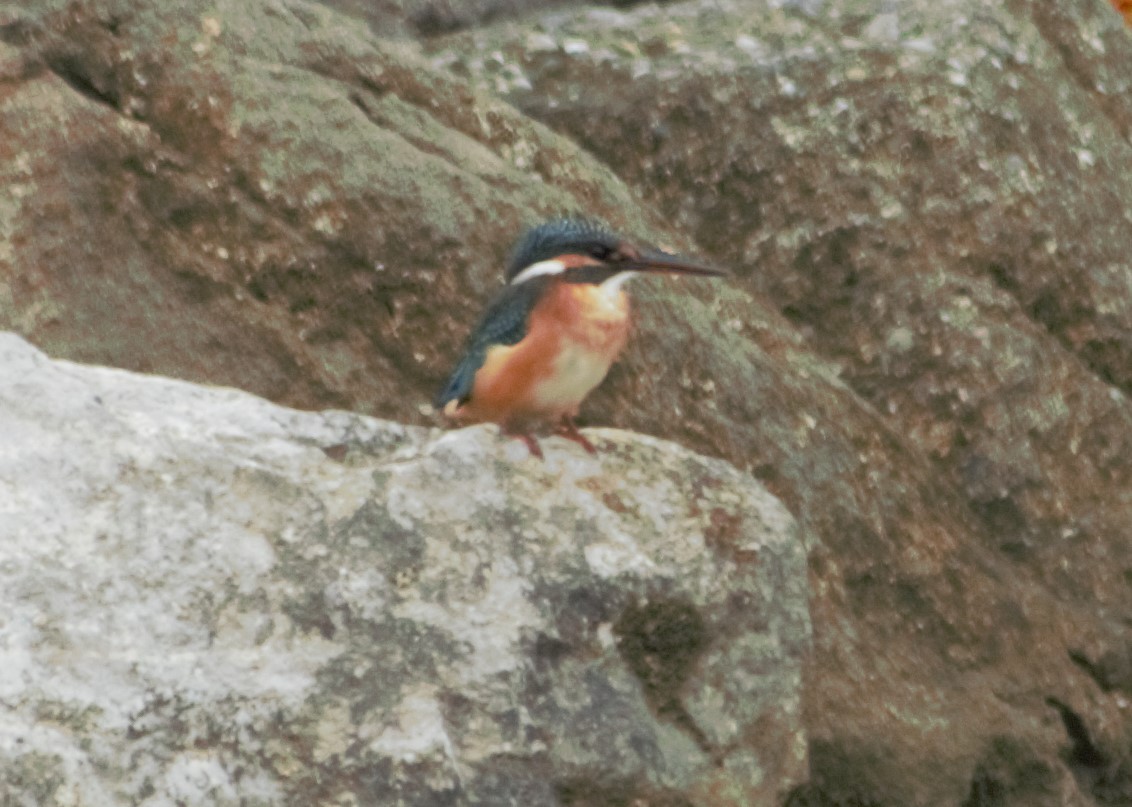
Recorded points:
574,261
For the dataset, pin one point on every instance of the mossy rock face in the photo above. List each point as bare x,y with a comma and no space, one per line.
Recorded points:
935,196
266,198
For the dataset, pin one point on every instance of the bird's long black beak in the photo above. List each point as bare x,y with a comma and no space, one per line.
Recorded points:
658,262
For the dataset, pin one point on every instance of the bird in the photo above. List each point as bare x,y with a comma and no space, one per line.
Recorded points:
549,337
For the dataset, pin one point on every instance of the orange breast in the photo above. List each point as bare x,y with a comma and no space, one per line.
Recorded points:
574,335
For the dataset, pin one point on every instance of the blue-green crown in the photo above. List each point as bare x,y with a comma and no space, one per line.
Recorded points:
561,237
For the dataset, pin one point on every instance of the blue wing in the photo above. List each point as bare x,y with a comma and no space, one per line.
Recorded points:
504,323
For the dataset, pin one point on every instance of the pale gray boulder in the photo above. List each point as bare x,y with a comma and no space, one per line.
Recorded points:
206,598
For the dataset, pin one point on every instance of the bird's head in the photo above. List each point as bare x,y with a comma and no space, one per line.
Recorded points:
581,251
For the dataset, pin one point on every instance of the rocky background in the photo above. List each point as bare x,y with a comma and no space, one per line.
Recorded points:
925,351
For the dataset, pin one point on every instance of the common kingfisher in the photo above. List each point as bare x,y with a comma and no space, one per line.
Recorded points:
549,337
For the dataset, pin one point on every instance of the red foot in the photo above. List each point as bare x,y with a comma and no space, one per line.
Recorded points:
529,441
568,430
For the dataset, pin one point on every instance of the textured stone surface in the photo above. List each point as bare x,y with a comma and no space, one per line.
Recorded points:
261,194
200,606
935,195
924,350
407,18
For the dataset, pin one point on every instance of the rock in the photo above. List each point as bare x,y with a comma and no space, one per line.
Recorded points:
264,195
404,18
203,606
922,351
935,195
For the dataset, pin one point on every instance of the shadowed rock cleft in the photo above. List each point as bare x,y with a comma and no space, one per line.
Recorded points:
661,642
1083,751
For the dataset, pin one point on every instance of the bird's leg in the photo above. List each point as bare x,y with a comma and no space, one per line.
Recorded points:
567,429
528,440
532,445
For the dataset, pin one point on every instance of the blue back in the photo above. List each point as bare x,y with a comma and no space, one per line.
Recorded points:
504,323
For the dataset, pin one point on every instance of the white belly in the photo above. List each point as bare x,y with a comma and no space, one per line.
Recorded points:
577,370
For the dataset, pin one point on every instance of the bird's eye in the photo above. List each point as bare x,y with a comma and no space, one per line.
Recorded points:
601,252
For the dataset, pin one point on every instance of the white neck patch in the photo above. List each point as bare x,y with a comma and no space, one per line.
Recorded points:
553,267
613,284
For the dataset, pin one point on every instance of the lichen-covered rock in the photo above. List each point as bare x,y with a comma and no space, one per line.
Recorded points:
935,194
923,350
262,194
210,599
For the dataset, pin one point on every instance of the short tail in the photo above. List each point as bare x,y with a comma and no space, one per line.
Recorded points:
459,386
